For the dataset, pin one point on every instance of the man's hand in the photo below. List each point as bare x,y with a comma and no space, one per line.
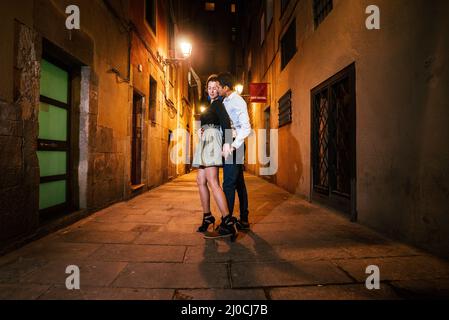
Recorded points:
200,132
227,150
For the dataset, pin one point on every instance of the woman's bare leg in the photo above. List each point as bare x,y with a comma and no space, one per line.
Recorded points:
201,180
219,196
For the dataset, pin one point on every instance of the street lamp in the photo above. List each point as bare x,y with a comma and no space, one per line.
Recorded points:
186,50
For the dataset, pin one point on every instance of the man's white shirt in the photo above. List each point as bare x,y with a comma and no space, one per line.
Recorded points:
238,112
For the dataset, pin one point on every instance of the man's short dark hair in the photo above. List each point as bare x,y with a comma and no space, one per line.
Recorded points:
226,79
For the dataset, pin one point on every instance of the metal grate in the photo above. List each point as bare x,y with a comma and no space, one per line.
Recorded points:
285,109
333,140
341,137
321,137
321,9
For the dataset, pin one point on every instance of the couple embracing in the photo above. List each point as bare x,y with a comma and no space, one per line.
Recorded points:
224,128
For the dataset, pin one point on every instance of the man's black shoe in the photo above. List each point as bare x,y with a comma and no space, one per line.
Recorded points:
242,225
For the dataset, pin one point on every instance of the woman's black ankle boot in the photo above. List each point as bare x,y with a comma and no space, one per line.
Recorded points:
208,219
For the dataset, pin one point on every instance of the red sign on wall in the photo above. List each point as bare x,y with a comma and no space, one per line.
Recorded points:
258,92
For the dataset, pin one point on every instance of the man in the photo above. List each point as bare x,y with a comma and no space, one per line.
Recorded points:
234,158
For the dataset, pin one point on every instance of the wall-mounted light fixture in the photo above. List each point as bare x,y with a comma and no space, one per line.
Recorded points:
186,51
239,88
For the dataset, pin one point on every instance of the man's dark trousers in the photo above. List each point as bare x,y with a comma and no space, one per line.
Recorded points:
233,179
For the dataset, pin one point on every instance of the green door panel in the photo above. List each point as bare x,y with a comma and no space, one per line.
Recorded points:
52,194
52,163
54,82
52,122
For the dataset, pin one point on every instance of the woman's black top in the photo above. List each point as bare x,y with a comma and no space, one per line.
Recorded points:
216,114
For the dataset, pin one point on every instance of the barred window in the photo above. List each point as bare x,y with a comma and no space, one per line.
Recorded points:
153,99
288,45
321,9
285,109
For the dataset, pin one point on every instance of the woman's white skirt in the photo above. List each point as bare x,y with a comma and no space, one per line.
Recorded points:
208,152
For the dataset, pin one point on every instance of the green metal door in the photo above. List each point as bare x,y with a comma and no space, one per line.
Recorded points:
53,141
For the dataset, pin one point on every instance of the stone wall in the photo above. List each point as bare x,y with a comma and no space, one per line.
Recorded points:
402,71
19,180
101,108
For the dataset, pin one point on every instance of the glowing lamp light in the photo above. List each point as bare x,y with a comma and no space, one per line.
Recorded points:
239,88
186,49
202,109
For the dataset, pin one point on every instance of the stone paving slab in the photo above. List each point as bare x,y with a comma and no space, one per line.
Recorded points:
148,248
286,274
221,294
180,228
147,218
224,252
118,212
101,293
423,289
139,253
333,292
293,253
22,292
92,273
170,238
109,218
123,226
298,239
87,236
50,250
194,219
173,275
384,250
398,268
15,271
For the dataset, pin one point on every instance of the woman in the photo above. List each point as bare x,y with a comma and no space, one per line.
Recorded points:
208,155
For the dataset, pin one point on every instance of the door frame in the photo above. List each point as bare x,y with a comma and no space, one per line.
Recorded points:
137,165
53,57
349,206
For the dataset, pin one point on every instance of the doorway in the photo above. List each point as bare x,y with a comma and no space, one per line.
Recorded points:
267,126
334,142
53,145
136,142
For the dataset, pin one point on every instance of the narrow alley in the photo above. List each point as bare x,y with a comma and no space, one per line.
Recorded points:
147,248
118,118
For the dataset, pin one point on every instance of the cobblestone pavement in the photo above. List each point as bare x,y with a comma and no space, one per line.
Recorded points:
147,248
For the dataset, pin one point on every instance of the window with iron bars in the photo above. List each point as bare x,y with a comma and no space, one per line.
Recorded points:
321,8
285,109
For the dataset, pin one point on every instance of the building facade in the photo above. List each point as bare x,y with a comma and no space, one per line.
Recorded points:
88,116
361,113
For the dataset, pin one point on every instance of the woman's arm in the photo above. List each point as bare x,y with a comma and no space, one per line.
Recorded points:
223,117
